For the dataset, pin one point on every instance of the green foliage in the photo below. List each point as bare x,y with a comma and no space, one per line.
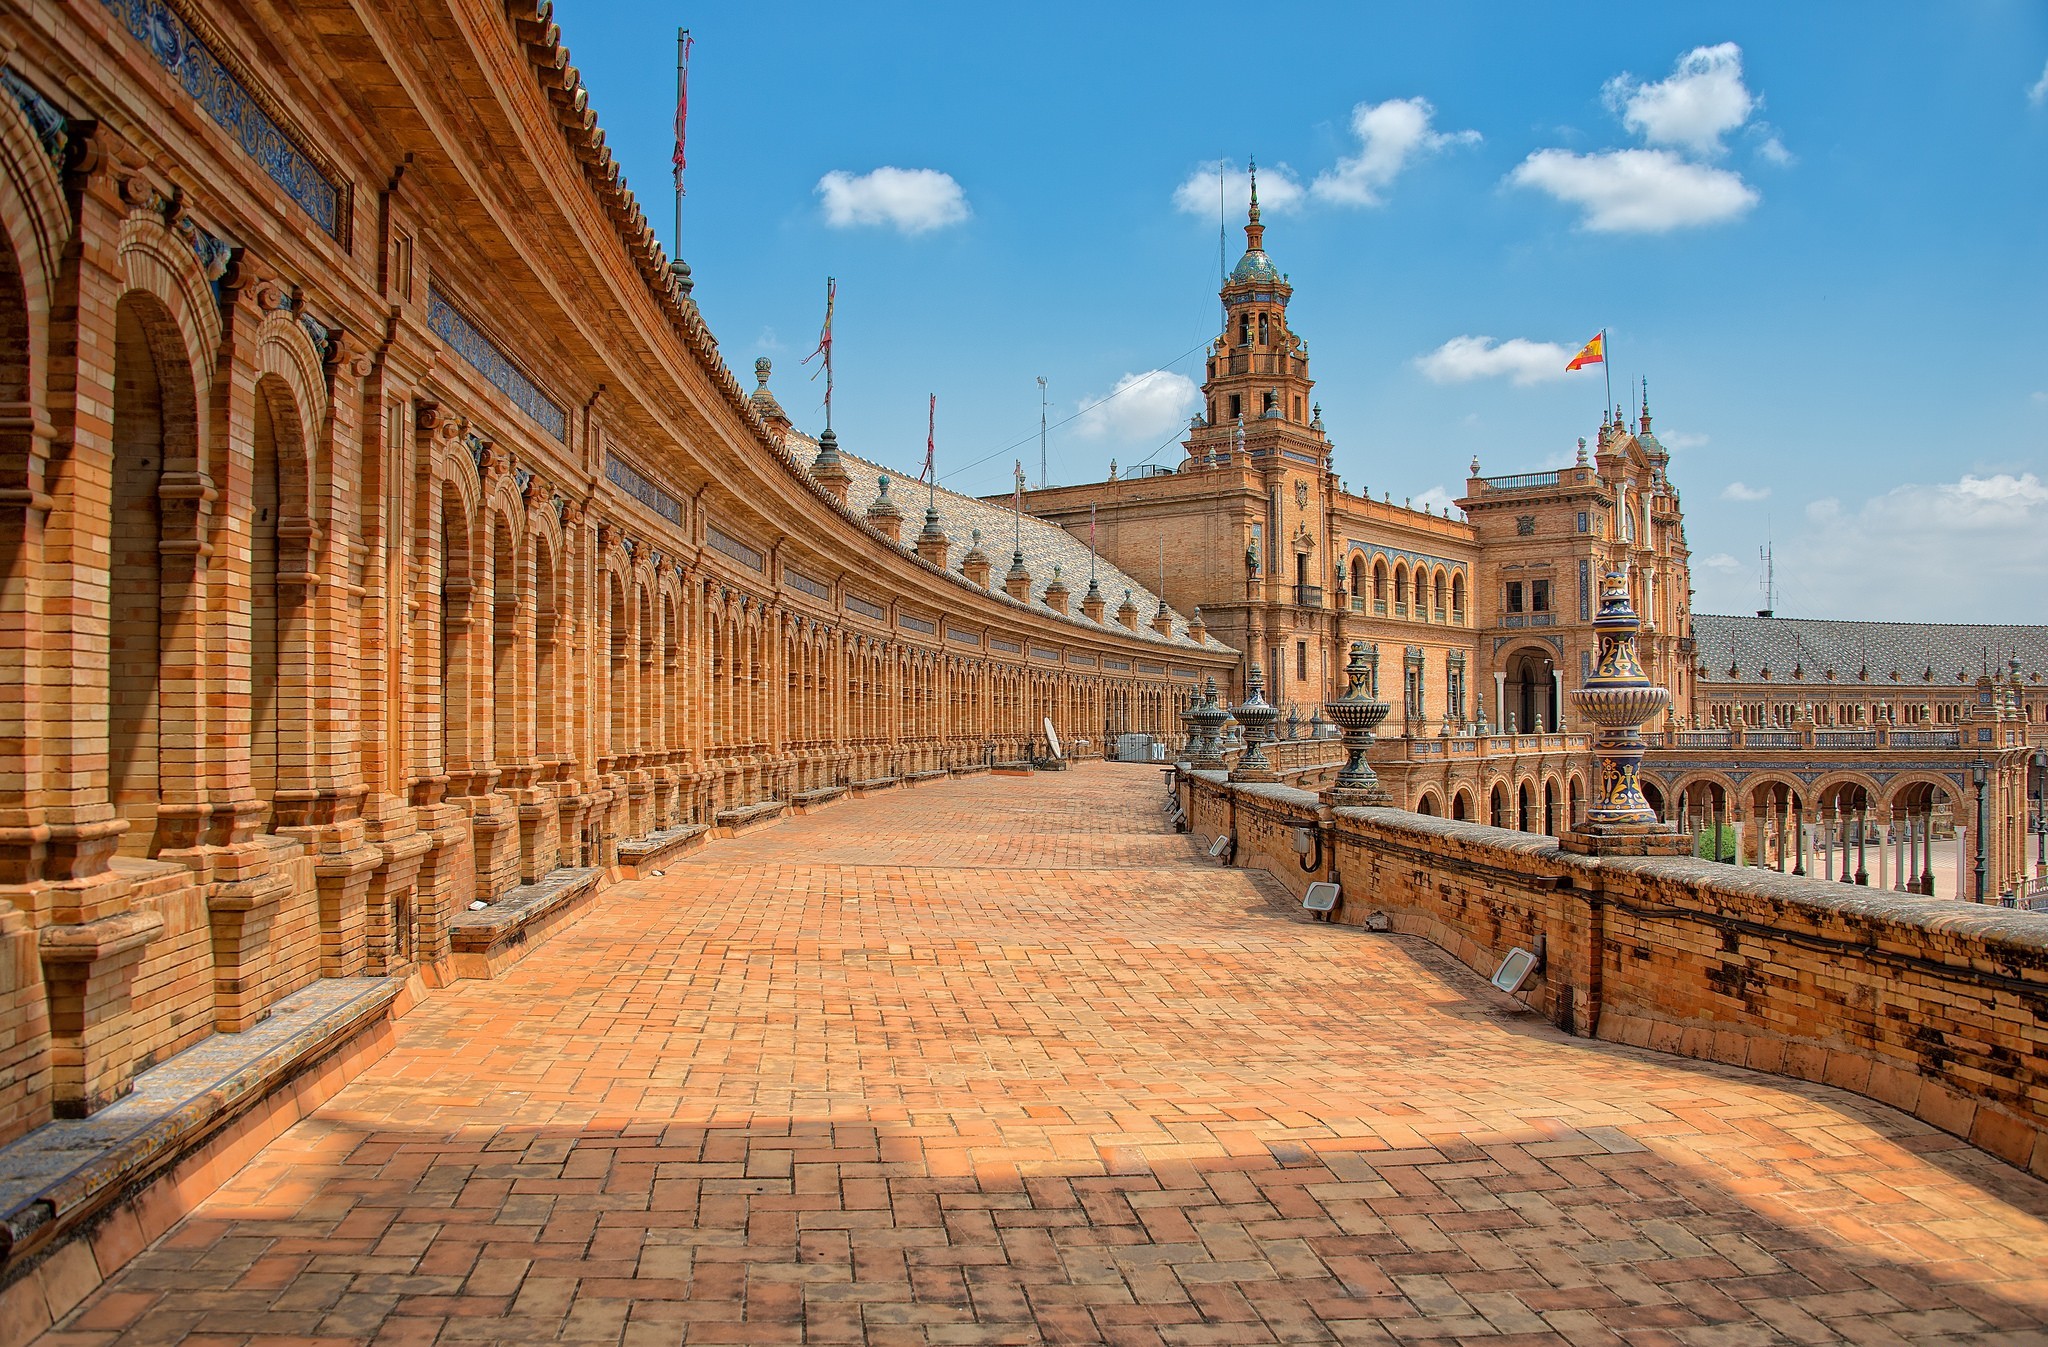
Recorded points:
1715,842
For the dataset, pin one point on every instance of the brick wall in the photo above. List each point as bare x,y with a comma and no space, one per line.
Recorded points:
1934,1007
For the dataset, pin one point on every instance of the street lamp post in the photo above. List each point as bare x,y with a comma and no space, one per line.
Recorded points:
1977,777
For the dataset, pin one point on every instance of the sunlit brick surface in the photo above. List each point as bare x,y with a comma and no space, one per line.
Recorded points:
1004,1060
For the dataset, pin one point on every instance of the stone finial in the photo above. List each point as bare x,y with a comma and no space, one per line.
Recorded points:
1198,631
932,543
1475,465
1112,470
829,470
1127,612
1209,717
1582,451
1256,715
1056,592
1162,621
1618,697
1017,581
1357,714
1092,602
884,513
975,565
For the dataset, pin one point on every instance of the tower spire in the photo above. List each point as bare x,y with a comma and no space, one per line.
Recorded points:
1254,232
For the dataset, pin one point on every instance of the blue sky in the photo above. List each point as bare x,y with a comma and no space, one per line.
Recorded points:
1817,230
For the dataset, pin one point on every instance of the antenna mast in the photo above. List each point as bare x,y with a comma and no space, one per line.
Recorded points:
1770,581
1041,433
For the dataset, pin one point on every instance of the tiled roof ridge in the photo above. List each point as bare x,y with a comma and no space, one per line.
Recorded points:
1870,621
540,37
1179,640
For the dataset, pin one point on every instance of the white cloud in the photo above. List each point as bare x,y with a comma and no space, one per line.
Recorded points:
1720,561
1738,491
1971,550
1280,192
1436,499
1637,191
1703,99
1523,362
913,200
1773,152
1681,439
1145,406
1391,135
2039,93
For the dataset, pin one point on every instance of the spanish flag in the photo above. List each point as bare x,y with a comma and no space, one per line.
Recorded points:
1594,352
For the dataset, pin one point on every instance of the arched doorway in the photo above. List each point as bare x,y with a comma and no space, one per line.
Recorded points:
1922,818
1552,820
1531,691
1777,812
1427,804
1498,811
1461,805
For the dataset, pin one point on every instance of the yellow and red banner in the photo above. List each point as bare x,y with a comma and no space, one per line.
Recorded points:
1593,353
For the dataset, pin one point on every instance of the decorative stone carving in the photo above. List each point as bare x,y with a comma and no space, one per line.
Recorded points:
1256,715
1357,714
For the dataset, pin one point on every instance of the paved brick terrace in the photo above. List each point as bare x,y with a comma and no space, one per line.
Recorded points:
1004,1061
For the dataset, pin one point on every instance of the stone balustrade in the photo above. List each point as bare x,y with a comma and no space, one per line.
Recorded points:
1931,1006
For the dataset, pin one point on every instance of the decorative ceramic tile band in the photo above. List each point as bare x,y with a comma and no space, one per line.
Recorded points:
447,323
796,579
630,480
750,557
856,604
908,622
193,64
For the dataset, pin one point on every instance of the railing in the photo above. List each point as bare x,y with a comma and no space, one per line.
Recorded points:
1926,738
1357,604
1400,609
1308,596
1845,738
1439,614
1458,616
1380,606
1522,480
1514,620
1773,739
1699,739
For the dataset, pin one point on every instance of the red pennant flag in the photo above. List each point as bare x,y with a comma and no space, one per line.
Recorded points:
683,44
930,434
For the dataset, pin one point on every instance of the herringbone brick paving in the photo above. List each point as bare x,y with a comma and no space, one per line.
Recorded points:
1005,1061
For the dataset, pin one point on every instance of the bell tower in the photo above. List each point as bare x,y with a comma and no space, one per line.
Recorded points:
1257,394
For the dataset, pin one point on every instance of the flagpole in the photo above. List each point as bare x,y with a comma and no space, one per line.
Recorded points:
1607,370
682,50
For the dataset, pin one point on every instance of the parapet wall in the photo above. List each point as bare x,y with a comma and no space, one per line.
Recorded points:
1935,1007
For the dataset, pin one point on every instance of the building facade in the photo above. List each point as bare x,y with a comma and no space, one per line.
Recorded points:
1478,626
382,533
